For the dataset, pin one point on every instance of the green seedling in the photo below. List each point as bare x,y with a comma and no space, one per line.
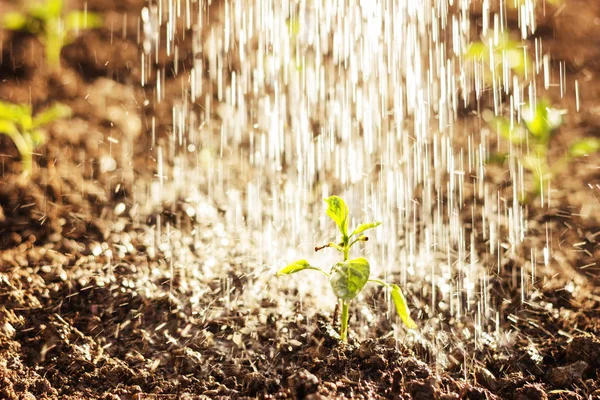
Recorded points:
349,277
497,53
536,129
515,4
27,131
51,25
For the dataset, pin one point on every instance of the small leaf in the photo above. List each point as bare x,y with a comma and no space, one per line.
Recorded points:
584,147
77,20
14,112
401,307
14,21
55,112
542,121
54,7
349,277
338,212
294,267
476,50
363,227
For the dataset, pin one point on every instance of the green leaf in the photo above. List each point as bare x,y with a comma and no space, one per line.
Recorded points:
77,20
363,227
294,267
55,112
584,147
338,212
542,121
14,112
54,7
476,50
349,277
14,21
401,307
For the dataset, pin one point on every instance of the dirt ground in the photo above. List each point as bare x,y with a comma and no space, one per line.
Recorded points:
89,309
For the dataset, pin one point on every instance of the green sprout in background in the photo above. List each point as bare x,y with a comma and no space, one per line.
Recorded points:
535,130
49,23
348,277
515,4
26,130
496,53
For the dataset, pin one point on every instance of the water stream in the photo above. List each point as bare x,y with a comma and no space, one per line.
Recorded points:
289,102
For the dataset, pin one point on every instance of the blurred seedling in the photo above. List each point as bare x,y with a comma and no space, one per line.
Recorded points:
49,22
495,57
535,130
515,4
349,277
27,131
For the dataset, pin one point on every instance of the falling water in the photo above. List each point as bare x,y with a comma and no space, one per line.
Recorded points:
289,102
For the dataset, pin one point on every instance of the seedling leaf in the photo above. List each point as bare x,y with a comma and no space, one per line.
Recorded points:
55,112
363,227
349,277
14,21
584,147
338,212
54,7
401,307
77,20
294,267
542,120
14,112
298,266
476,50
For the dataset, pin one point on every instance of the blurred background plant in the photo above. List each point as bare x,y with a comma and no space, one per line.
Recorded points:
27,131
49,22
535,130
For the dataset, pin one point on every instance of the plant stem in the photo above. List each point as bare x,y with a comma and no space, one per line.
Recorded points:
25,150
346,247
345,316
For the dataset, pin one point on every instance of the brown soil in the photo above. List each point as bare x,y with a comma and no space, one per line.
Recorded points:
89,309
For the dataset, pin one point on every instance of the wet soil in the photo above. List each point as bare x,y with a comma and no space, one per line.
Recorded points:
90,308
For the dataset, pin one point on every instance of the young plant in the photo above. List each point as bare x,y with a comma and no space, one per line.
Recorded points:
26,130
515,4
47,22
497,54
536,129
349,277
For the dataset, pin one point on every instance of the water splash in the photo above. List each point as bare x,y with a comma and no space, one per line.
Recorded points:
288,102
